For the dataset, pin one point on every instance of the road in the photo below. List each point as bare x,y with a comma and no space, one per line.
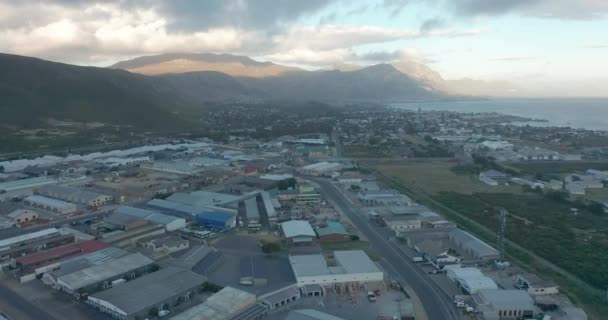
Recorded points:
16,307
438,305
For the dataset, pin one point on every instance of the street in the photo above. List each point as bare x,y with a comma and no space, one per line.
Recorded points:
438,305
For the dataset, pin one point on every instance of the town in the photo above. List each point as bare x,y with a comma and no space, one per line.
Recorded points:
304,226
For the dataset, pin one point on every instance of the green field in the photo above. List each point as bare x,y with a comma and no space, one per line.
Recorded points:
347,245
559,167
437,177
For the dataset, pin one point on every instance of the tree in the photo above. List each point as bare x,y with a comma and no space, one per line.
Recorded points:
286,184
270,247
596,209
355,187
153,312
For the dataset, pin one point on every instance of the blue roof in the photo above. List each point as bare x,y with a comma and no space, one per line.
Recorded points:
216,216
173,206
332,228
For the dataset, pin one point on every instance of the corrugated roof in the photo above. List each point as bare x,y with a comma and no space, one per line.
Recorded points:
216,216
64,252
150,289
507,299
310,314
28,236
355,261
49,202
332,228
296,228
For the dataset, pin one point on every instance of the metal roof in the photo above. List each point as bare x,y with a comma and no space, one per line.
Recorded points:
296,228
101,272
152,216
309,265
355,261
507,299
332,228
150,289
216,216
219,306
27,237
203,198
472,243
173,206
310,314
50,202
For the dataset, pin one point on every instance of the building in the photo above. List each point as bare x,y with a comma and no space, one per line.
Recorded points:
124,221
535,285
310,314
31,183
28,238
504,304
74,195
51,205
537,154
22,216
529,183
177,167
101,276
401,224
280,298
159,290
171,223
352,266
58,254
166,244
204,199
473,246
216,220
308,198
555,184
575,188
298,232
320,168
469,280
496,145
226,304
489,181
334,231
382,197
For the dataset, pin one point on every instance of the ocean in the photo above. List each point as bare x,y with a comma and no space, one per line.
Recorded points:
585,113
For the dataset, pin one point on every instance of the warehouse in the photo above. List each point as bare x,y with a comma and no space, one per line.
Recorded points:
58,254
100,276
159,290
203,199
223,305
350,266
470,280
27,238
505,304
310,314
320,168
216,220
124,221
51,205
381,197
26,184
473,246
535,285
75,195
298,232
334,231
171,223
401,224
21,216
174,208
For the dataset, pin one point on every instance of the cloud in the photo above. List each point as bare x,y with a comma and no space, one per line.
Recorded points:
597,46
432,24
514,59
405,54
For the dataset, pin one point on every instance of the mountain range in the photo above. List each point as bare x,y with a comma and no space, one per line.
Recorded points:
149,91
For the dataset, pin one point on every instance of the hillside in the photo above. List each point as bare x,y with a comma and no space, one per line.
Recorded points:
236,66
35,90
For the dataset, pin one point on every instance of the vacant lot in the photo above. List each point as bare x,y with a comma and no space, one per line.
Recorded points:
362,151
437,177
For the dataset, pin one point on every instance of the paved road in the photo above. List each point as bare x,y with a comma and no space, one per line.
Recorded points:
16,307
437,304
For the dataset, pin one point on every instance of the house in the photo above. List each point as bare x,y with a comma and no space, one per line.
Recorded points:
529,183
535,285
334,231
495,174
21,216
298,232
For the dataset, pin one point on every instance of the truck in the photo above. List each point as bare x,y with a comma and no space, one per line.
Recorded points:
418,259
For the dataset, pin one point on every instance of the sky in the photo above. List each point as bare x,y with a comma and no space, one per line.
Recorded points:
552,47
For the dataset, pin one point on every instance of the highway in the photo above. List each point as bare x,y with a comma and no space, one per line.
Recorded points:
437,304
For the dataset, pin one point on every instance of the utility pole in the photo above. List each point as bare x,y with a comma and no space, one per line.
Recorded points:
502,229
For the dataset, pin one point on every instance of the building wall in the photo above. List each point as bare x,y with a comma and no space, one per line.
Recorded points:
341,278
26,216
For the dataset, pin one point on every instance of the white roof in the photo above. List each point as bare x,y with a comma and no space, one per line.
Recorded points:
295,228
19,212
348,262
27,236
50,202
355,261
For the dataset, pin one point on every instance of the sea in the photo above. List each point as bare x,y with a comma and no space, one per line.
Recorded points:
583,113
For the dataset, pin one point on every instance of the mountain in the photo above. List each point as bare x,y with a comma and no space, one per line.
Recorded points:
35,90
380,82
232,65
202,86
473,87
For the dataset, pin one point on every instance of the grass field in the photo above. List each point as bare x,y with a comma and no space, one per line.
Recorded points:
347,245
437,177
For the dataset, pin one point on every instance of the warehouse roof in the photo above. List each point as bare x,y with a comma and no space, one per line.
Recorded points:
173,206
64,252
309,265
355,261
296,228
152,216
150,289
332,228
49,202
310,314
251,208
18,212
98,257
65,192
507,299
27,237
26,183
203,198
471,242
219,306
121,219
101,272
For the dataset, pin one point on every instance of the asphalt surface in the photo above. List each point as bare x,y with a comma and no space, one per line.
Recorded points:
437,304
16,307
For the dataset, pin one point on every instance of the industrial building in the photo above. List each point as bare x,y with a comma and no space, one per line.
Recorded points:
50,205
99,277
298,232
282,297
350,266
535,285
381,197
204,199
166,245
226,304
29,243
125,222
401,224
159,290
334,231
217,220
177,167
174,208
504,304
469,280
171,223
22,216
473,246
25,186
310,314
320,168
74,195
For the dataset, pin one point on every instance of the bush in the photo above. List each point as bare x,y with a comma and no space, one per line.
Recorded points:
271,247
